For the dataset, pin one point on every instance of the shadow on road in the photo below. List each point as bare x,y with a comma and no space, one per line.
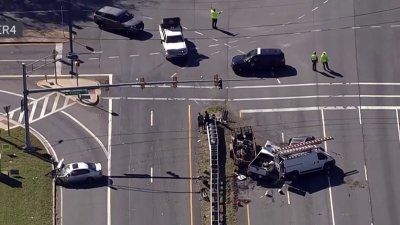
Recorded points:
227,32
192,59
286,71
103,182
139,36
314,182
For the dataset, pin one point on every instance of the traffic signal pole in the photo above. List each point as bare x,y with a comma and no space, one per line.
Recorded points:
71,48
28,145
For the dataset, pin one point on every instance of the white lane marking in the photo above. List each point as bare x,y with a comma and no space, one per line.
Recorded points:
316,84
110,108
230,42
395,25
97,52
93,58
301,16
32,112
242,52
288,197
234,46
283,137
315,96
66,101
155,53
277,79
151,174
252,41
319,108
151,118
59,48
55,103
173,75
296,33
214,39
314,9
18,60
355,27
326,1
214,45
398,124
365,172
113,57
207,99
323,128
215,53
359,115
269,30
184,27
331,200
329,179
316,30
21,115
227,45
88,131
62,75
199,33
375,26
135,55
146,17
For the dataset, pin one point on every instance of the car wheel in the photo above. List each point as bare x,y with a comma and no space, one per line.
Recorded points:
101,25
89,179
59,182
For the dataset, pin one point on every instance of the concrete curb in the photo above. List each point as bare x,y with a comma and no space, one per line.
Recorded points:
51,151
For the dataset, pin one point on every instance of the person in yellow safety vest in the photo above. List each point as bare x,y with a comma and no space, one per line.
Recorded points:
314,60
324,61
214,17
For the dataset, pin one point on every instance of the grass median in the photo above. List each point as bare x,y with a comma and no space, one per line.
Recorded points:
25,198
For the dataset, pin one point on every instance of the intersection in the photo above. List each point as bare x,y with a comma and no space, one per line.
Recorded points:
137,134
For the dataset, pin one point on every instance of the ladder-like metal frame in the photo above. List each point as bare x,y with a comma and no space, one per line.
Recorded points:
214,165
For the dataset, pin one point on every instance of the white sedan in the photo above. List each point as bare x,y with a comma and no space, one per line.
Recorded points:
77,172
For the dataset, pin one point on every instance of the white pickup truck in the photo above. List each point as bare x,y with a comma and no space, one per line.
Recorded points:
172,38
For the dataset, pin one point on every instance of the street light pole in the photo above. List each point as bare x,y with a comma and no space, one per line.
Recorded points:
28,146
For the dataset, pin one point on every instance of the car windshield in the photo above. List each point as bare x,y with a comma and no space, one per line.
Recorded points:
250,54
174,39
125,17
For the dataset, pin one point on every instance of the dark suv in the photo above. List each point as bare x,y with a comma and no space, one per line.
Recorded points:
112,18
258,59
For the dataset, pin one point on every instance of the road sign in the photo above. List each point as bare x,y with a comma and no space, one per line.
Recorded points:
75,92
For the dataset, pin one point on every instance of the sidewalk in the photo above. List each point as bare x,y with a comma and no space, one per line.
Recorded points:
92,98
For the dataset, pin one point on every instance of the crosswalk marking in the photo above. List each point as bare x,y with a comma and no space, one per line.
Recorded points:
55,103
21,115
42,105
65,102
32,112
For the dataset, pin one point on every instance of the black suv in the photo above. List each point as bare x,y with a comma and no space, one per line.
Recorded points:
258,59
112,18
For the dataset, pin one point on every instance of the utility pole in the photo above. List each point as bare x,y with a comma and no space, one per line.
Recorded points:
28,146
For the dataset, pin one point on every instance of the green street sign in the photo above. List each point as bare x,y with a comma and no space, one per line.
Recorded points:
75,92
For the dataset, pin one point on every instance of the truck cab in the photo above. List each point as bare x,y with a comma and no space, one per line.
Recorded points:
172,38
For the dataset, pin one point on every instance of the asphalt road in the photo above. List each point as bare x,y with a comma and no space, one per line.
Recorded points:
150,144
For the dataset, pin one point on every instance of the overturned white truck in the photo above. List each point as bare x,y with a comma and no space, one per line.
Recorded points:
274,162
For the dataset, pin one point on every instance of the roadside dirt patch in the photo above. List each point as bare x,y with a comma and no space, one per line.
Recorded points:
38,36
